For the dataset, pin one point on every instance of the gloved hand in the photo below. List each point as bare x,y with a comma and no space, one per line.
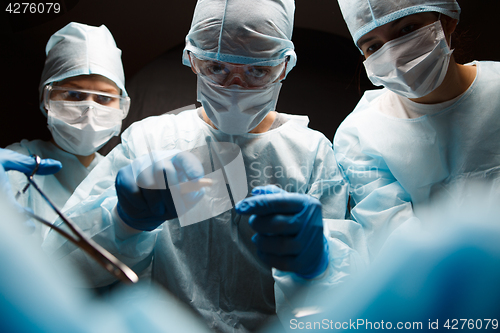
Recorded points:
289,230
10,160
145,188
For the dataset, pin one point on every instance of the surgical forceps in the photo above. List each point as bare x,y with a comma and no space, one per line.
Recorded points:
98,253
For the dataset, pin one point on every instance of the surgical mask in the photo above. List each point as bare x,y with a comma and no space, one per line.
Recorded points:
88,133
413,65
236,110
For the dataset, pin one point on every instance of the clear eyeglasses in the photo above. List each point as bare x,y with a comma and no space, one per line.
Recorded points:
248,76
110,105
98,253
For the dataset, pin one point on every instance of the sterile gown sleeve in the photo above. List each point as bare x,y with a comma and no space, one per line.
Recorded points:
92,208
294,293
379,204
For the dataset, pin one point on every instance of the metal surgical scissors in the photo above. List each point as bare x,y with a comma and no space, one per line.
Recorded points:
102,256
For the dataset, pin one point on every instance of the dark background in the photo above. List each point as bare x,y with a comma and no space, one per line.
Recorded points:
326,84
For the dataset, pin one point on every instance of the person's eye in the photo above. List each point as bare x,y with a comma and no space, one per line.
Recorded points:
372,48
72,95
409,28
258,72
101,99
215,68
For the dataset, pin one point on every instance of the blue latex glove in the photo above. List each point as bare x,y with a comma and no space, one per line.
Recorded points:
144,188
289,230
10,160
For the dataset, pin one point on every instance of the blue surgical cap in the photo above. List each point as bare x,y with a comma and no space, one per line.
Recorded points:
242,32
80,49
362,16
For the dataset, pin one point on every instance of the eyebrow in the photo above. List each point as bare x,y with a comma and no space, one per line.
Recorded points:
395,22
363,41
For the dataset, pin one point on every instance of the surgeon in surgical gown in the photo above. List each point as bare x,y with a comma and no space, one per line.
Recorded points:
434,123
80,59
212,263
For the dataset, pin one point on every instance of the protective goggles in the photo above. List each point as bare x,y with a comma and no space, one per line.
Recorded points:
247,76
54,95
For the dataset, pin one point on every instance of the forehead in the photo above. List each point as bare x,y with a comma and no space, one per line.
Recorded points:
91,82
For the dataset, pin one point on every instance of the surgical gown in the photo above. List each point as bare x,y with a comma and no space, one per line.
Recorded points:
396,165
58,187
211,265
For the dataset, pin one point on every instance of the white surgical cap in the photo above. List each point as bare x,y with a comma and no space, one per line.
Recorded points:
242,32
80,49
362,16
